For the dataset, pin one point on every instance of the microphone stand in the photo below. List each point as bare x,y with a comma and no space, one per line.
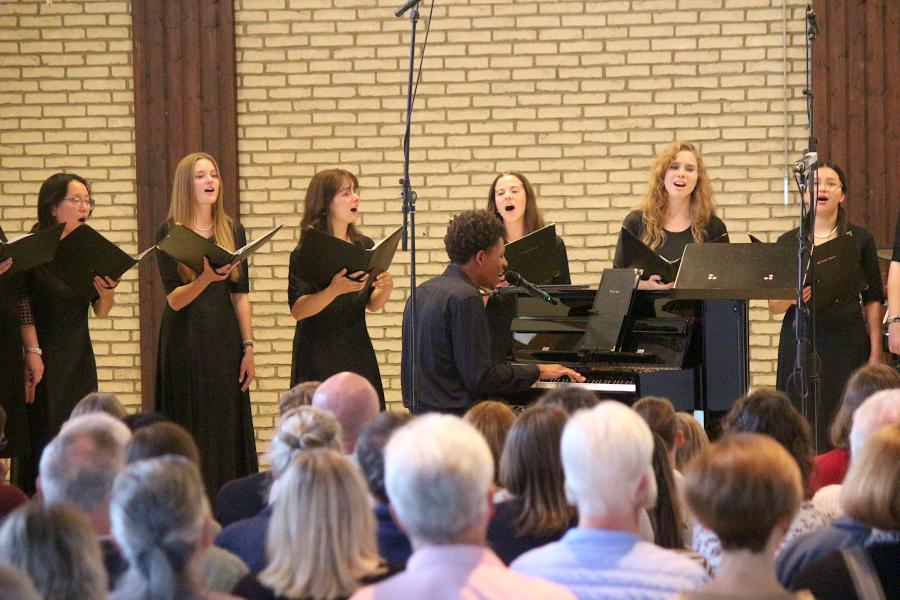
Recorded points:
806,371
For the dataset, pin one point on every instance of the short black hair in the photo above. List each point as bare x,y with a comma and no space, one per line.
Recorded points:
470,232
370,450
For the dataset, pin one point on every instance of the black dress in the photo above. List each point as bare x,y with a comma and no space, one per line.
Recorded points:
12,391
842,340
70,371
334,340
197,371
673,247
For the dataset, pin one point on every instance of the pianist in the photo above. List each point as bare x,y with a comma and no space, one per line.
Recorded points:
454,365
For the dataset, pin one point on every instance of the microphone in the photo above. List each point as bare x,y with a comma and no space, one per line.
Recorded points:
806,163
532,290
406,6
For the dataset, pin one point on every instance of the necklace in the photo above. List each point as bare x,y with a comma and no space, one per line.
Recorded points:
198,228
821,237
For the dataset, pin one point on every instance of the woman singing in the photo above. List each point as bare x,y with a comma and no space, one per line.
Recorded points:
678,209
848,333
205,361
331,334
60,318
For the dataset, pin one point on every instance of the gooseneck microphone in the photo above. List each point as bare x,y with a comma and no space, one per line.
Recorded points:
406,6
532,290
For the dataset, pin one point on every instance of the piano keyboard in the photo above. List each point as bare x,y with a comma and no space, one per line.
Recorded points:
609,385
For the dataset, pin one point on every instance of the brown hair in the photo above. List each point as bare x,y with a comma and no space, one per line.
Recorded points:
655,203
741,487
531,469
665,516
659,415
863,382
181,209
320,193
493,420
871,490
99,402
695,439
299,395
161,439
533,218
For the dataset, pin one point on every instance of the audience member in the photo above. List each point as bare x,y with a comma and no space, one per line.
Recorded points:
299,395
352,399
393,544
16,585
746,489
99,402
537,512
695,440
493,419
161,520
301,429
571,398
11,497
135,421
770,412
831,466
883,408
870,495
606,456
438,474
322,541
55,546
666,515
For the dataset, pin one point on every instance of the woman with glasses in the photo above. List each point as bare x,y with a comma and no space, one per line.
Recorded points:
848,332
60,317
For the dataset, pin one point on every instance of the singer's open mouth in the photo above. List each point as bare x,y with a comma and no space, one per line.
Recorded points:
509,207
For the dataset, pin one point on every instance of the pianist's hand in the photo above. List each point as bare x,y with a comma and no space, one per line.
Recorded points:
655,283
551,372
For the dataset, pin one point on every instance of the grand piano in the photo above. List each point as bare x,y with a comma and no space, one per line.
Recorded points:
694,352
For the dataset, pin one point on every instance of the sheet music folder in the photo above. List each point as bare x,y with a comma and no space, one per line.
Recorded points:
605,329
835,271
534,255
754,271
30,250
638,255
189,247
84,254
322,255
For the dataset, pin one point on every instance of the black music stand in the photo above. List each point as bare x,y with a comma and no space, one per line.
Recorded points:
737,272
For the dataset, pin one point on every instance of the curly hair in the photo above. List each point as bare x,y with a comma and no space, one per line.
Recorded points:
469,232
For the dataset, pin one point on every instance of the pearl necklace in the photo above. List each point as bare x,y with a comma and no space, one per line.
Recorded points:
198,228
827,235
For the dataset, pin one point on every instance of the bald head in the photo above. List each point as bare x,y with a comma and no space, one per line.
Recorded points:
352,400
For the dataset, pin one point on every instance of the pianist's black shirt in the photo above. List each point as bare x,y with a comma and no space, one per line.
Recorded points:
454,364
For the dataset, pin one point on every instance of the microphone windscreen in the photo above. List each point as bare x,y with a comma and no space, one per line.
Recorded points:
513,277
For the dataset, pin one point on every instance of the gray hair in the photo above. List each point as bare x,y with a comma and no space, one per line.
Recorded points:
81,463
56,547
438,470
16,585
99,402
879,409
607,454
159,511
303,428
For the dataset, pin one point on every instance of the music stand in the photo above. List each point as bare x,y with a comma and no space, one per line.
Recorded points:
737,272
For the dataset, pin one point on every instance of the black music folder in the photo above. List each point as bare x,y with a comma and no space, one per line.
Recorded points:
534,255
605,329
737,272
638,255
84,254
835,271
188,247
30,250
322,255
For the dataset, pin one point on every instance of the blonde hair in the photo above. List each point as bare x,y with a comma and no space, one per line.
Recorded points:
655,203
181,209
695,439
871,490
323,516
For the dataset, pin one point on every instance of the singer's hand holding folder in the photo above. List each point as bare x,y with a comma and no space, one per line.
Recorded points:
189,248
30,250
322,255
84,254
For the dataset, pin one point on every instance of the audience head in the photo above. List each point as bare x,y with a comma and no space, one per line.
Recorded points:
742,488
659,414
370,450
695,439
474,240
606,455
80,465
325,518
160,520
770,412
512,198
871,490
135,421
301,429
864,382
352,399
58,550
99,402
531,470
493,419
438,473
880,409
665,516
299,395
161,439
16,585
570,398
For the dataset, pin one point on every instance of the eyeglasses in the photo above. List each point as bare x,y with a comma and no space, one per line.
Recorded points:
828,184
80,201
